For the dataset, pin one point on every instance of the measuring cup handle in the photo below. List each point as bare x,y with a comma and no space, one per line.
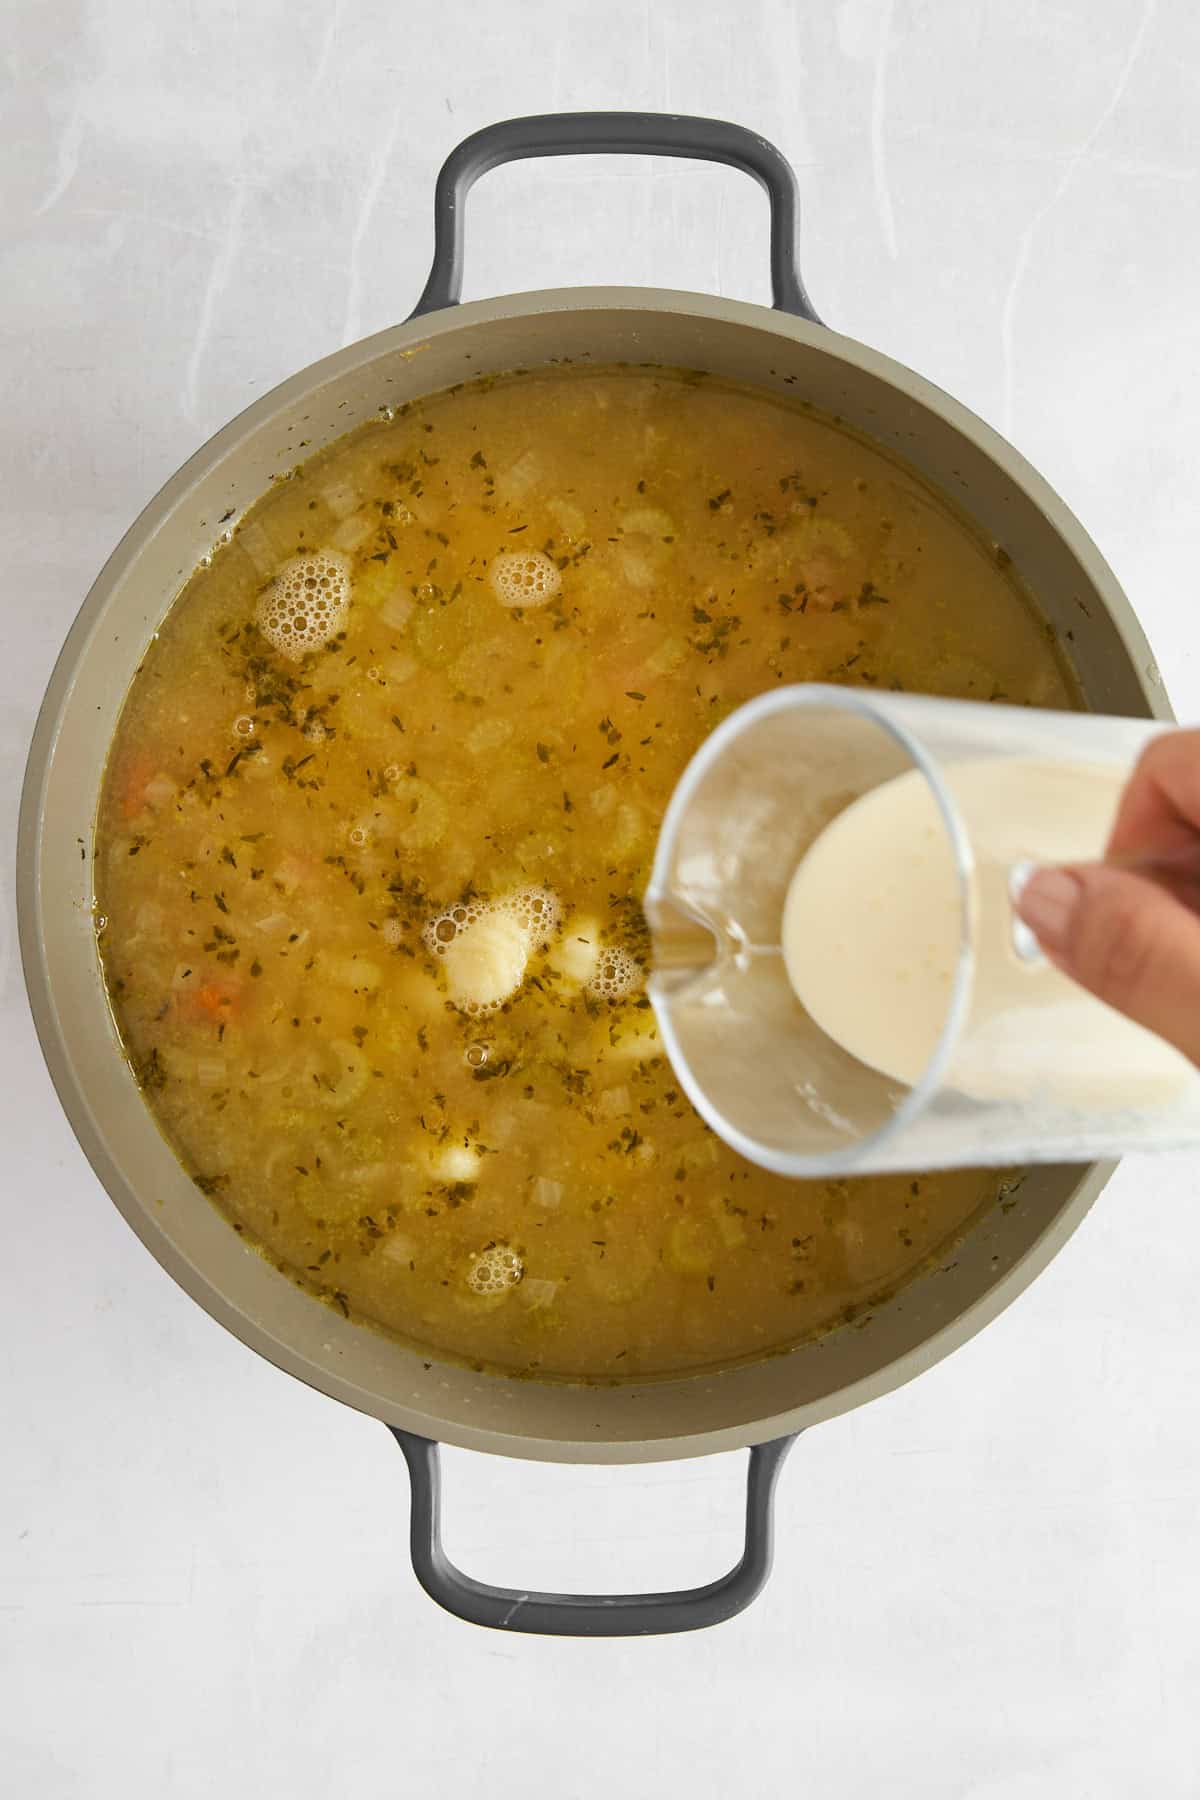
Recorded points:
616,134
587,1615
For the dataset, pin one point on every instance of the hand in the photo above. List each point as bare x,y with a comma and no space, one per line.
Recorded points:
1126,929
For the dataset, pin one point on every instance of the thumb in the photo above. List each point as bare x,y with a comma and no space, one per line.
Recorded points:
1126,940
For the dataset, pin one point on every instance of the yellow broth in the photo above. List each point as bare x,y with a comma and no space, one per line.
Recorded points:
525,1187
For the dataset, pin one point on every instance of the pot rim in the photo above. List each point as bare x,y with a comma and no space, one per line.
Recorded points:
410,337
407,340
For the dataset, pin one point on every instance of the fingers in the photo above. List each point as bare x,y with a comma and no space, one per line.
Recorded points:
1126,940
1160,808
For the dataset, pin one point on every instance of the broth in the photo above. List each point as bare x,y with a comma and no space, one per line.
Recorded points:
374,831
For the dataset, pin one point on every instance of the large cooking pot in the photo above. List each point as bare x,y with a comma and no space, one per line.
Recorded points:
784,349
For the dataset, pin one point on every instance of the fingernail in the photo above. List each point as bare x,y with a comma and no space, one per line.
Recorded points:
1047,901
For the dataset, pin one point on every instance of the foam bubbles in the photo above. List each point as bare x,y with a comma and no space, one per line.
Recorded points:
616,975
535,909
441,932
485,945
306,604
494,1270
524,578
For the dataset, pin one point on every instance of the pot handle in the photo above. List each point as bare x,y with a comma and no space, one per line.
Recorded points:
618,134
587,1615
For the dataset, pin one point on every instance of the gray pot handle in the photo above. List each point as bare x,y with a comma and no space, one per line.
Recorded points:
619,134
587,1615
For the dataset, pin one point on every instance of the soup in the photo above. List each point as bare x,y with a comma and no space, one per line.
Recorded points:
378,813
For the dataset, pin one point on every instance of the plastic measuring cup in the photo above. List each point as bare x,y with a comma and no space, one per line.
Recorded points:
1021,1065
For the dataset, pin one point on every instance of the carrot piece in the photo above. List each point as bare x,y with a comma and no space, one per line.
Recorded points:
213,999
138,772
213,1002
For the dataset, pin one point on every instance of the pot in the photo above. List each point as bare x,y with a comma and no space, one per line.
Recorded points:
784,349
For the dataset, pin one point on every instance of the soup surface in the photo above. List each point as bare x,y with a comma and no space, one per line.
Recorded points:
377,817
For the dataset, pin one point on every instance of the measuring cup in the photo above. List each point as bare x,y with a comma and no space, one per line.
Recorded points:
1022,1065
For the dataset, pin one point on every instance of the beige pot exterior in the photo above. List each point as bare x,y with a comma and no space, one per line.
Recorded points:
553,1421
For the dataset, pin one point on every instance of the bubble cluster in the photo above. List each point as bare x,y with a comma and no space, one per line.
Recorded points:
485,945
616,975
441,932
535,909
306,604
524,578
494,1270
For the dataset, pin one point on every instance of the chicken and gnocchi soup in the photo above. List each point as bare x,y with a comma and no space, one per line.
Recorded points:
377,817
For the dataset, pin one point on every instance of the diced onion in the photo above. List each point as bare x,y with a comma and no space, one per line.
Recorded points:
487,735
276,924
160,791
354,531
397,609
514,482
354,972
667,658
290,874
577,952
258,547
398,1248
537,1293
372,1174
701,1153
635,1041
649,519
351,1073
453,1163
341,497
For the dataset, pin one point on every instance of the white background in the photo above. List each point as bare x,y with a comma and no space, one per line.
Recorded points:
987,1585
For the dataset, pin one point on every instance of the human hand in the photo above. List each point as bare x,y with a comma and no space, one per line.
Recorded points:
1128,929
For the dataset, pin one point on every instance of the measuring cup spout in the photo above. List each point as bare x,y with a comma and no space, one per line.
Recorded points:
686,944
